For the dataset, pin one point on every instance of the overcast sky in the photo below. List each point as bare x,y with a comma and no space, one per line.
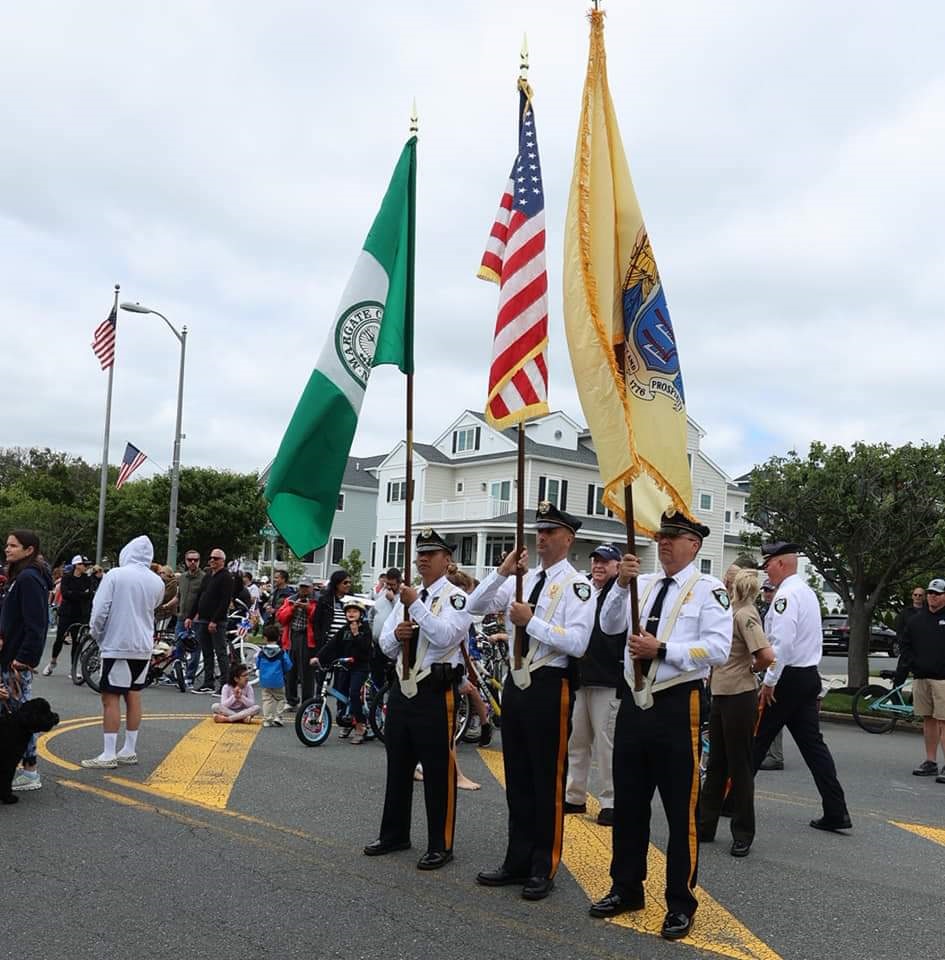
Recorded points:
223,161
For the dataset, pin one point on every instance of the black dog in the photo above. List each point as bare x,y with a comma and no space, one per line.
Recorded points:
35,716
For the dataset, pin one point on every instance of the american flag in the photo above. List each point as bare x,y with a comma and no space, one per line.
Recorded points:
103,342
130,462
515,259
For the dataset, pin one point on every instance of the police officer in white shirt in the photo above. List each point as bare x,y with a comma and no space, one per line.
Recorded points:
537,700
421,708
792,683
686,628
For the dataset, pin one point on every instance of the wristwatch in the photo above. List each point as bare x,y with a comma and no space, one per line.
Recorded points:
661,651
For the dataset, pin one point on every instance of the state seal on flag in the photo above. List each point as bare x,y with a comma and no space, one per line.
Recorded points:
650,344
356,338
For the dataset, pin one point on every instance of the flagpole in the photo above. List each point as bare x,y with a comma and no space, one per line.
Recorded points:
103,481
408,475
634,598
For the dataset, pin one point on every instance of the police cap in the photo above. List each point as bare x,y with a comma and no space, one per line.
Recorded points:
429,540
779,549
673,523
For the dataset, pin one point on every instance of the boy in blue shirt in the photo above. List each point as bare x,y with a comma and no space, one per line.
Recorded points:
273,663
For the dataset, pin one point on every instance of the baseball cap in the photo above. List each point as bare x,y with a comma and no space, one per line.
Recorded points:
767,585
936,586
606,551
306,582
78,558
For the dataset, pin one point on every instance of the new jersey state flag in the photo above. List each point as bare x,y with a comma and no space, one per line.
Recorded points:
615,308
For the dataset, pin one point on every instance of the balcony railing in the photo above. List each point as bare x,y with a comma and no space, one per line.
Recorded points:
469,508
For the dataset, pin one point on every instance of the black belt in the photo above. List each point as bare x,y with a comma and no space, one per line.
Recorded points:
789,667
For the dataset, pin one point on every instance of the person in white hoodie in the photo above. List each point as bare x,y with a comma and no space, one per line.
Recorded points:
123,625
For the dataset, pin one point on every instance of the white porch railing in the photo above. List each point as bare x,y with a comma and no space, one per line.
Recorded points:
469,508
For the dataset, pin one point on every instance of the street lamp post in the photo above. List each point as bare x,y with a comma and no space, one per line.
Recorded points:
175,466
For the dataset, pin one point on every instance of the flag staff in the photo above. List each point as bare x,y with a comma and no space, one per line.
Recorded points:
408,474
103,482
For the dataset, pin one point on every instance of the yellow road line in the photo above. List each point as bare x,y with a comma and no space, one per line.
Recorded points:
587,849
204,765
935,834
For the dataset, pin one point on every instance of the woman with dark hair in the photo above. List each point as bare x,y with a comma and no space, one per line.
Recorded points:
328,620
24,620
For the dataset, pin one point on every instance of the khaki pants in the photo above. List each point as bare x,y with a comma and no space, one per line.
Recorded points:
273,700
592,732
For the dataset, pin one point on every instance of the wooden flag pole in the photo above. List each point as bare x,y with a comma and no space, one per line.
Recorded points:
634,596
520,539
408,474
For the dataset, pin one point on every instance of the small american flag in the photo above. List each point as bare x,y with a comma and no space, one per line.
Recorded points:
130,462
103,342
515,259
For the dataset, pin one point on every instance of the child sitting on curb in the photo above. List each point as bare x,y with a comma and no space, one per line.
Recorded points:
237,701
273,664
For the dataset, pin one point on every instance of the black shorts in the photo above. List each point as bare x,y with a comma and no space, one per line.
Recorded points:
120,676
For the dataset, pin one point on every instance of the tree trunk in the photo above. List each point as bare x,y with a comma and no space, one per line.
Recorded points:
858,667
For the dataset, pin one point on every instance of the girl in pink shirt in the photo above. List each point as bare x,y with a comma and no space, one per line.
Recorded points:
237,702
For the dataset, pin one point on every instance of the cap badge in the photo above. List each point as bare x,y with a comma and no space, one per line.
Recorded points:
670,513
426,533
544,507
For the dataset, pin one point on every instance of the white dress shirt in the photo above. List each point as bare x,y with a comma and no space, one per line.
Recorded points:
794,628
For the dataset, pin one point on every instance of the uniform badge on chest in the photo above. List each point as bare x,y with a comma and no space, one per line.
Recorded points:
554,591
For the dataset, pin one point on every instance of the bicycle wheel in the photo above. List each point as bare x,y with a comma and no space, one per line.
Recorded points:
81,641
179,675
872,720
313,722
464,712
250,651
377,711
91,666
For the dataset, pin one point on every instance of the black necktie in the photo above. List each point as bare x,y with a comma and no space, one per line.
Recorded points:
533,602
424,593
652,624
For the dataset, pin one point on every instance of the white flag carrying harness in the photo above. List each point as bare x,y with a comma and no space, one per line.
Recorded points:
522,677
408,684
643,698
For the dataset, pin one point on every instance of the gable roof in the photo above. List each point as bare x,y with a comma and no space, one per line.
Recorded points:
358,472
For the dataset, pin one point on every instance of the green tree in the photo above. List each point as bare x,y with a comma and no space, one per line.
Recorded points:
353,564
870,519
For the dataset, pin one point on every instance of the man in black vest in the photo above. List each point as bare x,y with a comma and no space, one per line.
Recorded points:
596,703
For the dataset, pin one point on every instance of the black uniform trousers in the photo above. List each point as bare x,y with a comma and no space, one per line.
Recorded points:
731,734
536,725
420,730
657,749
795,707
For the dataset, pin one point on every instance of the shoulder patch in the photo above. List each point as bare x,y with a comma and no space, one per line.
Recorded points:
780,605
582,590
721,595
458,601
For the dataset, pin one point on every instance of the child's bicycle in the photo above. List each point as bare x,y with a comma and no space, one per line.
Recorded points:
878,709
164,663
313,717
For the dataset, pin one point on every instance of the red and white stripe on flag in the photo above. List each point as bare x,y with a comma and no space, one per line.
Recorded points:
103,340
130,462
515,259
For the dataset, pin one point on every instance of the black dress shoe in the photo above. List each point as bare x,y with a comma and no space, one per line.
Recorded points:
575,807
675,926
537,888
614,904
377,848
434,859
740,848
499,878
825,823
606,816
485,735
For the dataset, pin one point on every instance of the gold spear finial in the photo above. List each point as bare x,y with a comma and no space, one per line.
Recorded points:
414,119
523,58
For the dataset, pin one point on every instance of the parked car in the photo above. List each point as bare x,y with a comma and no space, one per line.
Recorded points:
836,633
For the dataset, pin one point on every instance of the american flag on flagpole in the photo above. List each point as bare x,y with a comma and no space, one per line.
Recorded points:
515,259
103,340
130,462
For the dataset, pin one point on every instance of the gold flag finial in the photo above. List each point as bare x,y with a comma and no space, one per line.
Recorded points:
523,58
414,119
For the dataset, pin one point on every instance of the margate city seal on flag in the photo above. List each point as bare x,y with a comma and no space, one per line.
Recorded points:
356,338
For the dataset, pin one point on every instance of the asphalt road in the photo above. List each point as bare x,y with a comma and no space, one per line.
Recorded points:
96,868
838,665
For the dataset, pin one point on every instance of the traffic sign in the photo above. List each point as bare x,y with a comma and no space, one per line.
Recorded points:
269,532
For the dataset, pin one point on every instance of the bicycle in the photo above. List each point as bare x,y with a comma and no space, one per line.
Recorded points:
377,713
313,717
83,640
878,709
490,689
163,659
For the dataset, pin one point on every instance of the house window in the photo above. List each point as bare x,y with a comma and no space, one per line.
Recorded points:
394,552
341,502
728,516
705,501
497,546
466,439
554,490
500,497
705,565
459,486
595,501
396,491
337,549
467,551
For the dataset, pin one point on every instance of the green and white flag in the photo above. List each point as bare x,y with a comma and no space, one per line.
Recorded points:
373,325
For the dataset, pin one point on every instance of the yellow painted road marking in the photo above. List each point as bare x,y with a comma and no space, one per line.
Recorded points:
586,855
204,765
935,834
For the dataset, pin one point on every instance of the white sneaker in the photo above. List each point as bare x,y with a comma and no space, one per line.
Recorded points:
27,780
268,723
277,722
48,669
127,759
98,763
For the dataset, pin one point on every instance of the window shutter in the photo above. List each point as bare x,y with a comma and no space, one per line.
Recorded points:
591,499
478,432
384,552
388,493
454,441
564,496
541,489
